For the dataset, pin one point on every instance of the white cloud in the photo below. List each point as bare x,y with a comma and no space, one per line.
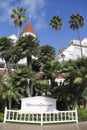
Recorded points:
35,8
40,24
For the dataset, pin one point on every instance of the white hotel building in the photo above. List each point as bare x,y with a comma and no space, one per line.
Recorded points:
73,51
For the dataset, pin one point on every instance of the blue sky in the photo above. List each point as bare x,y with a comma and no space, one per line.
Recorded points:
41,12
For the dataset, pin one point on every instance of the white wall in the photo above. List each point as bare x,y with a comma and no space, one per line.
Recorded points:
38,104
73,51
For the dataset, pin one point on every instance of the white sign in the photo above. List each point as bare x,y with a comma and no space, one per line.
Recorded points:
38,104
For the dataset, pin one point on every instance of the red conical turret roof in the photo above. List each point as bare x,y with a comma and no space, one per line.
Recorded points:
28,28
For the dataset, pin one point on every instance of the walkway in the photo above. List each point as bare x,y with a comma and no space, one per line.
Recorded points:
73,126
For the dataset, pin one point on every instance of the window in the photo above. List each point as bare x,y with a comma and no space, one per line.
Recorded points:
76,56
71,56
1,65
76,48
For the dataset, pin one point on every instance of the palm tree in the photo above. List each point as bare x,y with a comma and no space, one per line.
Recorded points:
11,92
56,24
51,71
6,51
41,87
28,46
16,56
76,77
7,91
47,54
19,17
76,21
23,78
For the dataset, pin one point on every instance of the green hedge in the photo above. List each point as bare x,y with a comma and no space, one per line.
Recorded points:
82,114
1,117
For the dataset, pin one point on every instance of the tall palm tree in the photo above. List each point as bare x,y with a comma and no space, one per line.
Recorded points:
19,17
77,21
56,23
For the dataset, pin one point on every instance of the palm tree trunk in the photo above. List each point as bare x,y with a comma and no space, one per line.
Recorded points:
9,102
60,44
29,62
5,104
28,91
8,68
18,31
80,42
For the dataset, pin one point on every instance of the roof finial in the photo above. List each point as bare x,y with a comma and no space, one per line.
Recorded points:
29,18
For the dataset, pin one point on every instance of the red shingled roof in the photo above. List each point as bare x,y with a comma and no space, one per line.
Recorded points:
28,28
61,76
6,73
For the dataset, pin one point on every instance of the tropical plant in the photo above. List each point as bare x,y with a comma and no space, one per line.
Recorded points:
28,46
77,21
19,17
16,56
41,87
11,92
76,78
51,71
6,51
56,23
47,54
23,77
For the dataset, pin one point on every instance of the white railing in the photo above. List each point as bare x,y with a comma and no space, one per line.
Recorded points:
41,118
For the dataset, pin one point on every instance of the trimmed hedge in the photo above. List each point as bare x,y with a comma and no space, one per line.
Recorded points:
82,114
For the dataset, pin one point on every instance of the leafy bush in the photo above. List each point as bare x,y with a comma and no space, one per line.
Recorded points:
82,114
1,117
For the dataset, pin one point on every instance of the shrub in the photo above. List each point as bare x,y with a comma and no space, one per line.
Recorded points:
82,114
1,117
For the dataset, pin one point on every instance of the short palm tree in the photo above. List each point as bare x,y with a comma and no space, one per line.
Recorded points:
51,71
23,77
41,86
11,92
6,51
19,17
76,77
77,21
47,53
56,23
28,46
